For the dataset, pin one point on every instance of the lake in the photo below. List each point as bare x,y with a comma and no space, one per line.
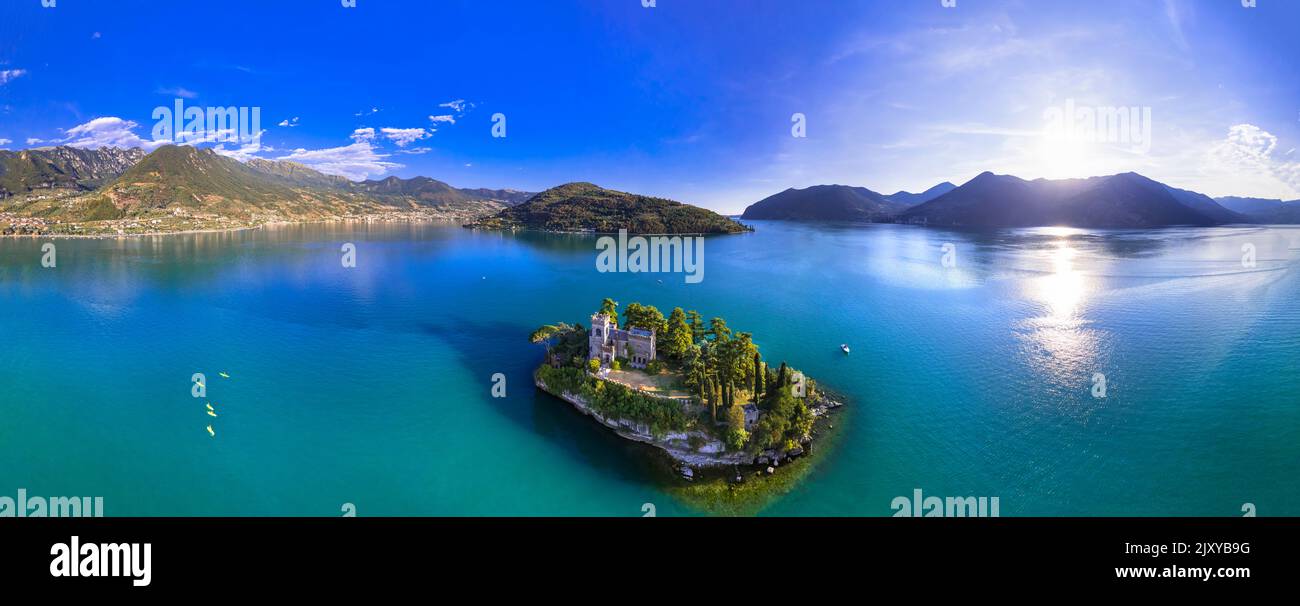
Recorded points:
372,385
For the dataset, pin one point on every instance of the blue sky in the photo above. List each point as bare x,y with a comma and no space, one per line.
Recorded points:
691,100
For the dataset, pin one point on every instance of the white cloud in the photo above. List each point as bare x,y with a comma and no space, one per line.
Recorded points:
415,150
443,118
1247,156
34,141
356,161
5,141
107,131
405,136
363,134
373,110
243,153
458,105
178,91
9,74
291,122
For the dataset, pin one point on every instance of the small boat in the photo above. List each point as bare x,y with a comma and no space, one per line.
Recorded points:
211,414
210,432
224,375
210,406
844,347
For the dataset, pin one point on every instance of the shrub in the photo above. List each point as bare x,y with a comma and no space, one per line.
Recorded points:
616,401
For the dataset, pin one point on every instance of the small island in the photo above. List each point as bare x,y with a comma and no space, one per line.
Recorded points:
699,392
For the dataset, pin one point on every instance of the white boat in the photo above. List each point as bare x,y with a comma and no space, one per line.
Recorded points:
844,347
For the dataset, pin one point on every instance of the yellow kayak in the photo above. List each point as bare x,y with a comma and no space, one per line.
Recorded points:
210,406
212,414
224,375
210,432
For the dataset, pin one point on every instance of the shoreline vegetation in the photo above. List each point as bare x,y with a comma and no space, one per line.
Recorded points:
589,208
735,431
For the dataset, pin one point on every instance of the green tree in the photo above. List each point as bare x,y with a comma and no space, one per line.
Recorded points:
697,325
593,365
758,376
609,307
718,330
736,436
676,340
545,335
646,317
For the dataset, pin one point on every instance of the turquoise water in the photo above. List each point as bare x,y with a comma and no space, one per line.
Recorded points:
372,385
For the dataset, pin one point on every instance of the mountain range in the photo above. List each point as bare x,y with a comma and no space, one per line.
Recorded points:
183,187
107,190
1126,200
1263,210
839,203
62,167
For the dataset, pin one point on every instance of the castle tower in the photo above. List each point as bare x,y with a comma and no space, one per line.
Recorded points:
600,340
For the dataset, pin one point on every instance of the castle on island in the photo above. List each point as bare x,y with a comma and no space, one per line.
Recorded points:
607,341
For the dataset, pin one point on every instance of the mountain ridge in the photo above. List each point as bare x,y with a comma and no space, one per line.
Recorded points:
586,207
180,188
824,203
1124,200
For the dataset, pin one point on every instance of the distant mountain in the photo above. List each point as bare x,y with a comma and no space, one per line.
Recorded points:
588,207
62,167
423,191
1126,200
293,173
825,203
910,199
1264,210
1207,206
509,197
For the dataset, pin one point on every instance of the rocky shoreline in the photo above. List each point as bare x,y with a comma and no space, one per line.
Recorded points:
711,453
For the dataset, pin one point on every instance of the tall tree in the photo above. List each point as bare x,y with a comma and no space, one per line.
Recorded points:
646,317
758,377
697,325
718,330
677,338
609,307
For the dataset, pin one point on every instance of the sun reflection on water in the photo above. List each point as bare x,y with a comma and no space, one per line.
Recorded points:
1063,346
1064,289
